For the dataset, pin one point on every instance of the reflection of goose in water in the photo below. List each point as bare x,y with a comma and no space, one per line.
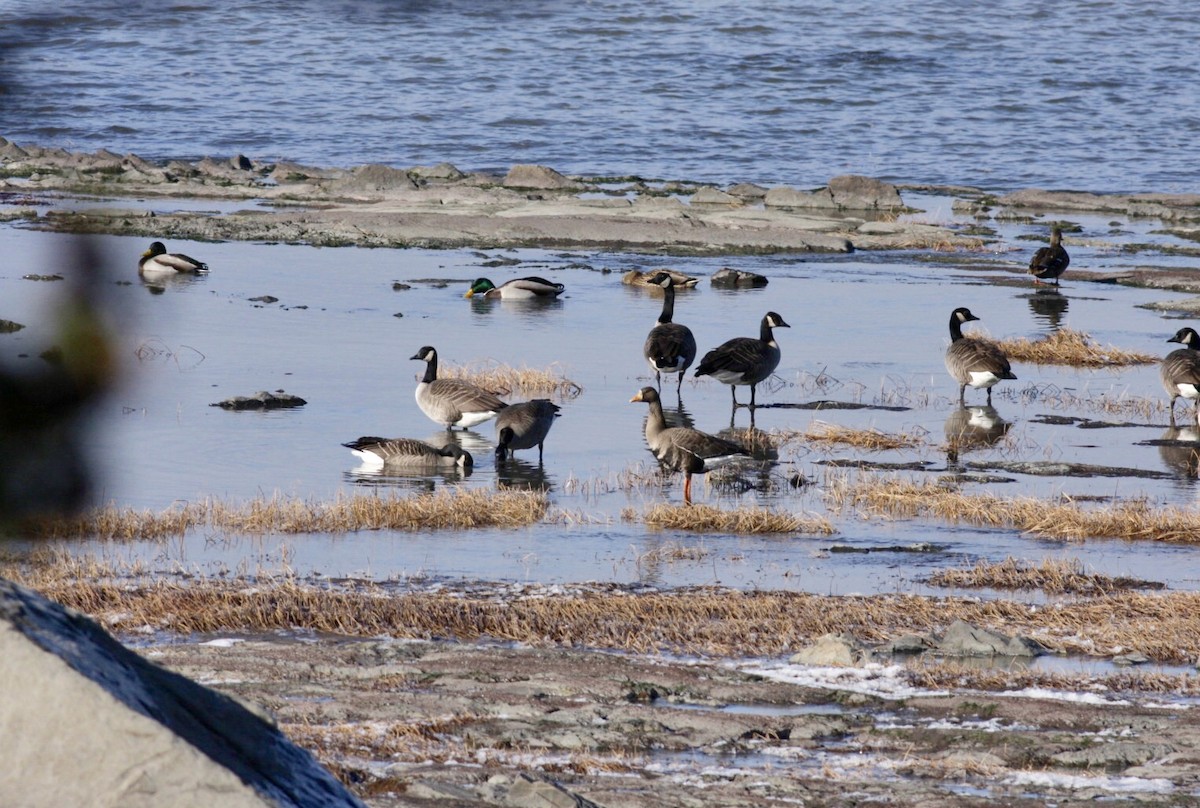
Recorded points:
1048,305
521,475
1183,458
970,428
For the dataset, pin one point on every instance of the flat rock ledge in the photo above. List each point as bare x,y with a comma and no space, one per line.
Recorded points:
92,723
960,640
443,207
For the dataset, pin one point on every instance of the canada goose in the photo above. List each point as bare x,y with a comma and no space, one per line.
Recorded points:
524,425
683,449
1180,369
670,347
516,289
452,402
1050,262
745,360
409,452
974,361
636,277
157,259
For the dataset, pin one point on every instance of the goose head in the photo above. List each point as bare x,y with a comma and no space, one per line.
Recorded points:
647,394
462,457
773,320
962,315
662,279
1187,337
426,354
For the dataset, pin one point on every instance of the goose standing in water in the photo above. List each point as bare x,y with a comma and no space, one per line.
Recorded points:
453,402
976,362
158,260
516,289
1180,369
1050,262
408,452
682,449
745,360
524,425
670,346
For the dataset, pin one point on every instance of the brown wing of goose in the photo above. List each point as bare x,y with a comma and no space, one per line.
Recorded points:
669,342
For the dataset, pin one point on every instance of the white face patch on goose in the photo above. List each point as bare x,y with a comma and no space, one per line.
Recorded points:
1188,390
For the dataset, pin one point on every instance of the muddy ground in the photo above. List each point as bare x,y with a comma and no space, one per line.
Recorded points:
424,723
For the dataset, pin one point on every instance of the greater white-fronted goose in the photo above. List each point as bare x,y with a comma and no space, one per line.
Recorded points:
670,346
745,360
516,289
976,362
452,402
1180,369
407,452
524,425
682,449
1050,262
637,277
157,260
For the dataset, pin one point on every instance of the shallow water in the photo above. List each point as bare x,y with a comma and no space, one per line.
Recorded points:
1077,94
867,329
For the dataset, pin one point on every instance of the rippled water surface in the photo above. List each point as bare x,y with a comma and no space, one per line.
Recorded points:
1082,95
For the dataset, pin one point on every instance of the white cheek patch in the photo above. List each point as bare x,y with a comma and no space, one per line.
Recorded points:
1188,390
982,378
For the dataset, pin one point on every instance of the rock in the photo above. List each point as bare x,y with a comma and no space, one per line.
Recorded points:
528,792
963,639
910,644
1134,658
99,725
711,196
374,177
786,197
8,326
537,178
261,400
1118,755
838,650
264,299
746,190
441,171
856,192
727,277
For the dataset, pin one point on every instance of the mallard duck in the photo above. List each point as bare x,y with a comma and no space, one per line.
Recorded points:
745,360
682,449
452,402
524,425
1180,369
410,452
157,259
636,277
516,289
670,347
976,362
1050,262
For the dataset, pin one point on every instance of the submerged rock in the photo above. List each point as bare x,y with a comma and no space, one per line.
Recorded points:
99,725
730,278
262,400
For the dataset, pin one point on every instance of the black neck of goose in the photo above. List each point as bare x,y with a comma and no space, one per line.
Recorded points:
431,370
764,332
668,310
955,329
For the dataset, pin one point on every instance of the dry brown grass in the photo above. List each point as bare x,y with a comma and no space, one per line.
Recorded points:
1163,626
1073,348
947,675
447,508
744,520
1053,576
1064,521
504,380
872,440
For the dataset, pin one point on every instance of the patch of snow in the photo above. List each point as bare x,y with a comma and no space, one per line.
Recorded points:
884,681
1076,782
1061,695
223,642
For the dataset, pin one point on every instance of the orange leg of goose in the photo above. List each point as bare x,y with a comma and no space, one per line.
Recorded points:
687,489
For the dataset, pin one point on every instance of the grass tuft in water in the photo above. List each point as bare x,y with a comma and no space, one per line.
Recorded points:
504,380
1073,348
445,509
744,520
1053,576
